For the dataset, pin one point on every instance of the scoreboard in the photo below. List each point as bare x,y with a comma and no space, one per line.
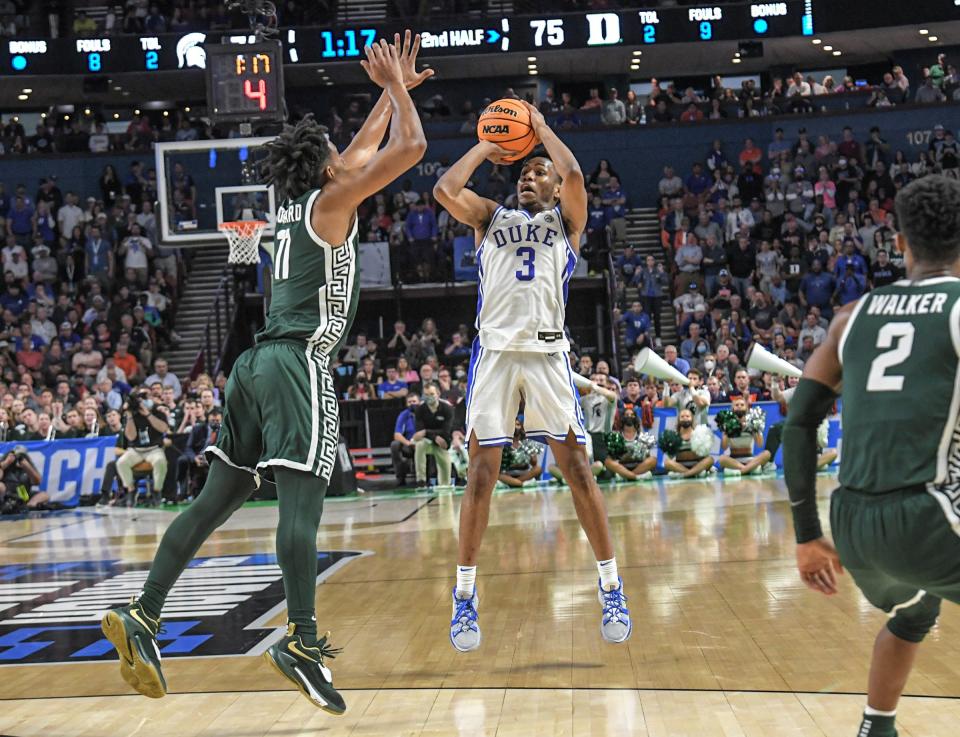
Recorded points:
494,35
245,83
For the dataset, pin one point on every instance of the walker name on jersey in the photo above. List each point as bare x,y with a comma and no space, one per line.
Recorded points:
528,233
291,214
929,303
50,613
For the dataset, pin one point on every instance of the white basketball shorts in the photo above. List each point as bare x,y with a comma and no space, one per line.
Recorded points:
498,380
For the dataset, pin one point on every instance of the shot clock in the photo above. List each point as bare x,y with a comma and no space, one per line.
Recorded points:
245,82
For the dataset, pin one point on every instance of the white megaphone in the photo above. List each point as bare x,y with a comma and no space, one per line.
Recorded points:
761,359
648,362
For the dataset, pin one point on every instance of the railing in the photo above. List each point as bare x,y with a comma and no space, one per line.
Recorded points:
216,332
611,303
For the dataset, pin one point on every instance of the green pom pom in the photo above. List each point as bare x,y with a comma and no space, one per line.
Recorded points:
615,443
670,442
506,460
729,423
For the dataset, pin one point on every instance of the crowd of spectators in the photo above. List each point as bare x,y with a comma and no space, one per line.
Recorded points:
764,244
87,310
58,134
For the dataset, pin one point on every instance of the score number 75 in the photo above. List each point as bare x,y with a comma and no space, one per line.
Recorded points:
551,28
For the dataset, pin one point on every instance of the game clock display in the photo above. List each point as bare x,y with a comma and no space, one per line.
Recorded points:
245,82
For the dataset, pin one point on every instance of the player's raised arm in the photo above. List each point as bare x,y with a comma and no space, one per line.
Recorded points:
812,399
573,192
368,139
407,142
451,190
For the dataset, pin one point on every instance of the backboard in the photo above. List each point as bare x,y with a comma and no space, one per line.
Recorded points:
200,184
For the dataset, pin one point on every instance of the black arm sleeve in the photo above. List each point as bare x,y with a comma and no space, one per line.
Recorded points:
808,407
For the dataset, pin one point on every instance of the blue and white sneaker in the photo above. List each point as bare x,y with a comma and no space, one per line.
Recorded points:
464,625
616,625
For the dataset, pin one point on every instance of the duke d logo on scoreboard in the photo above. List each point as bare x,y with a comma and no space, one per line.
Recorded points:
50,613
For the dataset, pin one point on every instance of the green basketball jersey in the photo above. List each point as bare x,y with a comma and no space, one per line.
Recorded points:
316,285
901,387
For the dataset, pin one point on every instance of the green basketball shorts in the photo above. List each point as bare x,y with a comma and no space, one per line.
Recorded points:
902,553
280,410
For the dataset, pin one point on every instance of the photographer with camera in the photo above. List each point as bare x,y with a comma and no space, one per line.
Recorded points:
19,479
144,428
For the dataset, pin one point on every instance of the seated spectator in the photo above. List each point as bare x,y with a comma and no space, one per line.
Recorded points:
685,463
457,351
738,457
402,446
163,375
434,419
614,111
689,301
671,357
392,387
520,462
670,184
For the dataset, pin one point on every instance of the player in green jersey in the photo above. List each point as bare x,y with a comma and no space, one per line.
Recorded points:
281,419
894,356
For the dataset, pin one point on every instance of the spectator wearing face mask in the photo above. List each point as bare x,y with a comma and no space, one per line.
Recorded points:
631,459
432,438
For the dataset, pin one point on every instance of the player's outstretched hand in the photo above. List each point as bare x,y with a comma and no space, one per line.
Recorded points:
382,64
407,53
537,121
819,563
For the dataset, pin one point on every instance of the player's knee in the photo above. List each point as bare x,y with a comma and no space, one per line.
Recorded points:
915,622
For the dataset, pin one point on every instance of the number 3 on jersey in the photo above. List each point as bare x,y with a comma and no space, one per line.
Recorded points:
281,266
528,255
879,380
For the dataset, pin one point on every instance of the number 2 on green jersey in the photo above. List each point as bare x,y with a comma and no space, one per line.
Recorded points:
879,380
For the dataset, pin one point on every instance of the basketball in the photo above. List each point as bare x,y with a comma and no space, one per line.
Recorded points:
507,123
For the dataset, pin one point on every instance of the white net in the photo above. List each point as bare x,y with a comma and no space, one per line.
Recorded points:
244,238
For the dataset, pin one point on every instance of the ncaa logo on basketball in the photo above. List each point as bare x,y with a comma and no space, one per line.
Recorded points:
496,129
220,606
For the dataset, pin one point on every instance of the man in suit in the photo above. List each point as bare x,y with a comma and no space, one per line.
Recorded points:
193,462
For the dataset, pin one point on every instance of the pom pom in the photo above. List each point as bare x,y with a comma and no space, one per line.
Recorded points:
756,421
506,460
669,442
639,448
701,442
616,445
823,434
728,423
648,442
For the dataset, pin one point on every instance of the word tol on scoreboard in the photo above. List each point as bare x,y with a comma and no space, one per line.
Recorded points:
245,82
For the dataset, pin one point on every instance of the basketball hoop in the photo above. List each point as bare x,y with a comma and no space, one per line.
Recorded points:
244,238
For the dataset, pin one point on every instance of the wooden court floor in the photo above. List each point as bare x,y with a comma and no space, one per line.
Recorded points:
726,642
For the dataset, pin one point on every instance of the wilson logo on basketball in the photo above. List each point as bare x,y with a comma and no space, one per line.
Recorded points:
496,129
499,109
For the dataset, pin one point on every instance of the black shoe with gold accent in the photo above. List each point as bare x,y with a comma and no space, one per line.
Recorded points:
304,667
134,635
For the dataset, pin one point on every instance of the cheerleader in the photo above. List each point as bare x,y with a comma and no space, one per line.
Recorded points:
742,431
628,452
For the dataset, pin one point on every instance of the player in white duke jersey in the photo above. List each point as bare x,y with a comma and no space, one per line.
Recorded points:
526,258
